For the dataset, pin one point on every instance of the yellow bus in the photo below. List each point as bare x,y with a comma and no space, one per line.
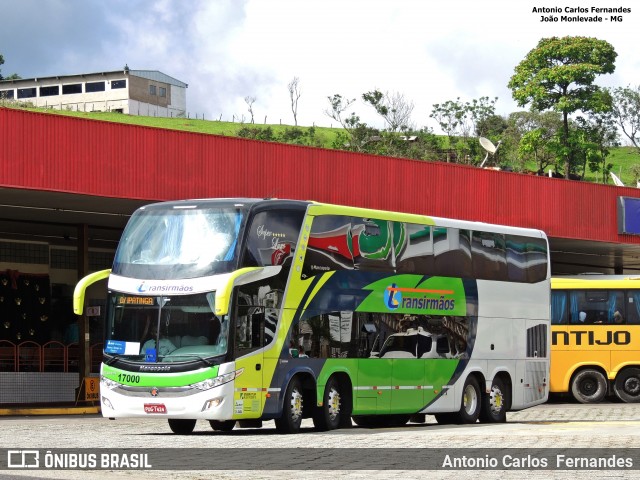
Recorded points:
595,337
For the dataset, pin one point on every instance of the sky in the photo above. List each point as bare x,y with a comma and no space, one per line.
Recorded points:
429,51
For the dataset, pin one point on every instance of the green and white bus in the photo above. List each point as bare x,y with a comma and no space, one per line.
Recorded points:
237,311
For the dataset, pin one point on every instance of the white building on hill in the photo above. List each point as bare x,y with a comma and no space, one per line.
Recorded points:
135,92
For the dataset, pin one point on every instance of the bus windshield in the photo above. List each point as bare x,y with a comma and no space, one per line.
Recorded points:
170,243
164,328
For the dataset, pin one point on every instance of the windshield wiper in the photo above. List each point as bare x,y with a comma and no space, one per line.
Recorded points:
204,360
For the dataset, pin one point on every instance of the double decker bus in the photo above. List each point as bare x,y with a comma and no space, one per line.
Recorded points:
237,311
595,328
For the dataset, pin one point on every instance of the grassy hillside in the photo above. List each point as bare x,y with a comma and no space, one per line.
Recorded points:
212,127
622,158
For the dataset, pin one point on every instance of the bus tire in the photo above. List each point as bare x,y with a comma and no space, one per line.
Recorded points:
222,425
329,416
292,409
589,386
495,403
471,401
627,385
181,426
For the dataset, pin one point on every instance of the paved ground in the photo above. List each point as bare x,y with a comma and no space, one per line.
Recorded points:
559,425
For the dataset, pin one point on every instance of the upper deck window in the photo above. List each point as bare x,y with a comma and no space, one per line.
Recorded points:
172,243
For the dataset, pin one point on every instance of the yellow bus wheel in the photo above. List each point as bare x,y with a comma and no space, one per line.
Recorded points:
627,385
589,386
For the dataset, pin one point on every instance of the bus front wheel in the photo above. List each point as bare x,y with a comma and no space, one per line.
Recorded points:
328,417
627,385
292,409
181,427
589,386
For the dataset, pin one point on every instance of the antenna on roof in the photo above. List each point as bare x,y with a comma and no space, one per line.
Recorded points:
489,147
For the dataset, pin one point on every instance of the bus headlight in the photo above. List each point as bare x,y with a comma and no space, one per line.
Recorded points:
217,381
108,383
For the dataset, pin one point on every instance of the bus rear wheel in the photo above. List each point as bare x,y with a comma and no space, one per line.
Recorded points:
329,416
627,385
292,409
181,426
589,386
495,403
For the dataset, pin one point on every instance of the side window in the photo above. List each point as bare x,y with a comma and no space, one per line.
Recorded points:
489,256
452,252
526,259
272,238
374,243
633,307
94,87
27,92
558,307
615,313
597,307
257,306
250,318
330,245
417,254
381,335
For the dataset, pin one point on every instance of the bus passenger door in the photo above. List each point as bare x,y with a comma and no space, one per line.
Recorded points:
249,394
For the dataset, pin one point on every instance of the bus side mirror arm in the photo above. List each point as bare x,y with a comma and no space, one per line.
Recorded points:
81,288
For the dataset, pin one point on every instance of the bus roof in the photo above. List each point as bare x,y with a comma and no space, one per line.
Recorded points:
595,281
318,208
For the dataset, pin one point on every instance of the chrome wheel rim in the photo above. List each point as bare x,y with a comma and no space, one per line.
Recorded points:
296,405
470,399
333,404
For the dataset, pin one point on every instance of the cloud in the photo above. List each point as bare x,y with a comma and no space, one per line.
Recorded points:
229,49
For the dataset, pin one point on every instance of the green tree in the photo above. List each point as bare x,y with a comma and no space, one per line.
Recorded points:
393,108
558,74
459,121
257,133
599,135
625,104
491,126
356,133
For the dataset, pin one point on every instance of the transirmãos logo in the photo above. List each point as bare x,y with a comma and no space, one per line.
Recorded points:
392,297
418,298
144,288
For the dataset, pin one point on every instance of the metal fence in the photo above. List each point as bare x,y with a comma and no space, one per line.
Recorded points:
52,356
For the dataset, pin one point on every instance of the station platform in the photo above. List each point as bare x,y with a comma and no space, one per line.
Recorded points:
50,410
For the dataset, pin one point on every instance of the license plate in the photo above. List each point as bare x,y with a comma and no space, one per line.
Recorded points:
155,408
